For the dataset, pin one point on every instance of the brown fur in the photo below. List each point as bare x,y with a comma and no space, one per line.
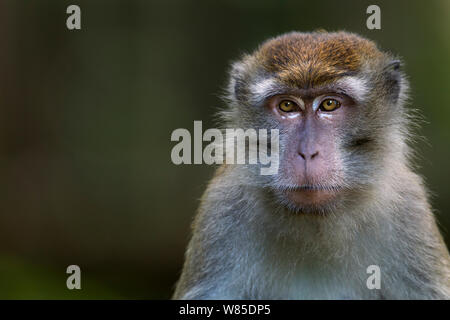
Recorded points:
308,59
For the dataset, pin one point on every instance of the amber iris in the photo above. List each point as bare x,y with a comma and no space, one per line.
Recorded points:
330,105
287,106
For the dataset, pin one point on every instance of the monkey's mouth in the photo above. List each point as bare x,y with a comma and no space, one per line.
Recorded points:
312,195
312,187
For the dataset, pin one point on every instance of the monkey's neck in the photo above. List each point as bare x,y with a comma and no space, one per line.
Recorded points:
351,231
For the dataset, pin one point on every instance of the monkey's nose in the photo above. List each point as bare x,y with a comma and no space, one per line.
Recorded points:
308,155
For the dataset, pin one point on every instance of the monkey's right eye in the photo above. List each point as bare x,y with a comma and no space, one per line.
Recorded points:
287,106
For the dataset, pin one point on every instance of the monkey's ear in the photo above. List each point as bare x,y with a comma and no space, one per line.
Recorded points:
393,79
394,65
237,83
238,86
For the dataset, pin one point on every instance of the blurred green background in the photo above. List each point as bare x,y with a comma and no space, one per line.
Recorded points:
86,118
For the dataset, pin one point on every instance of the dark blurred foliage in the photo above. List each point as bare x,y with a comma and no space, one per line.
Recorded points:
86,118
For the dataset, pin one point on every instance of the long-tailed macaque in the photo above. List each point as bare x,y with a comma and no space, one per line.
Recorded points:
345,196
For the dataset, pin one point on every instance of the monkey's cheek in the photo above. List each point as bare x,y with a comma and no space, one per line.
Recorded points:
311,197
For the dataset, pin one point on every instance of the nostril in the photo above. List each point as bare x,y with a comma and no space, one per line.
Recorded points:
308,156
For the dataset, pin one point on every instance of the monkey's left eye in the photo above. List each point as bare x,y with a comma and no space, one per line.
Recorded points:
287,106
329,105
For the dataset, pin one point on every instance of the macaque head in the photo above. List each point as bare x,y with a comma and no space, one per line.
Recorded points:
337,103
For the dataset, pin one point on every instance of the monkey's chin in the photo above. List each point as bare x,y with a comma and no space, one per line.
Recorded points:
311,197
311,200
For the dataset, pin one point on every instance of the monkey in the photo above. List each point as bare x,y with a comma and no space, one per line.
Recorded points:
346,195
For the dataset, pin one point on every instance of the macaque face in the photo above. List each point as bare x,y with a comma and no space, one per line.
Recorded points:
335,133
312,123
